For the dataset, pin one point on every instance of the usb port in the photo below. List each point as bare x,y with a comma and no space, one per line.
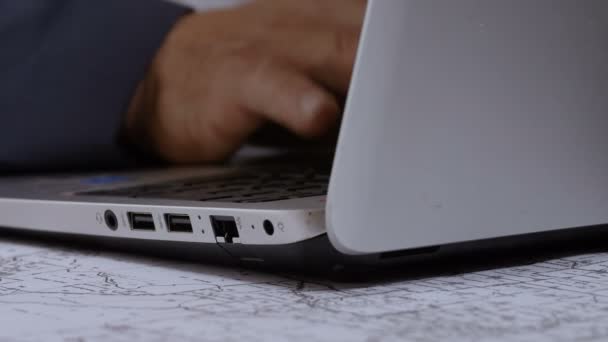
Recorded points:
141,221
178,223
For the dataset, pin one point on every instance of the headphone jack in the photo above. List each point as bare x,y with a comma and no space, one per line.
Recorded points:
110,219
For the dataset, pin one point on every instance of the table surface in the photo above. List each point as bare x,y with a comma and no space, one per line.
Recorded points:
56,293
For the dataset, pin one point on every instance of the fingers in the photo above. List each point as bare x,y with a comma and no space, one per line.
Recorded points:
319,36
346,13
220,75
286,96
328,56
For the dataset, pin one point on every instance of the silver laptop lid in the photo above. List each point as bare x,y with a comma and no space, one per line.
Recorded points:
472,119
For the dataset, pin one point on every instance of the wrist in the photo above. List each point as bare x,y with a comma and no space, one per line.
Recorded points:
142,109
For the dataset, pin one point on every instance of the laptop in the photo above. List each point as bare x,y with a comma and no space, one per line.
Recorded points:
466,121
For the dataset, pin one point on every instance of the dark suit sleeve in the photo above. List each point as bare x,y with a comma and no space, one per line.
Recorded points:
68,69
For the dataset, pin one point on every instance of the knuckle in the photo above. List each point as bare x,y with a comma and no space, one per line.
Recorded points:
262,66
252,62
241,57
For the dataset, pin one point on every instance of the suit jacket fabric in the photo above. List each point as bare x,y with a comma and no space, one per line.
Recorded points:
68,69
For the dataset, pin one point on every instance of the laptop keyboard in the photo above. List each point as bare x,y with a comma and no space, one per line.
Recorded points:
247,187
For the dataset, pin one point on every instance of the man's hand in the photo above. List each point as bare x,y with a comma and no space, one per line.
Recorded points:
220,75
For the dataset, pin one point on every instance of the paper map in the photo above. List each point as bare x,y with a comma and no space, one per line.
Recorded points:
60,294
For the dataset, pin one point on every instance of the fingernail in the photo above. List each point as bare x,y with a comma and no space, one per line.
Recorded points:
310,104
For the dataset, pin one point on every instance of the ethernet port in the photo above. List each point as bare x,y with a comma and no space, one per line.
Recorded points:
224,228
